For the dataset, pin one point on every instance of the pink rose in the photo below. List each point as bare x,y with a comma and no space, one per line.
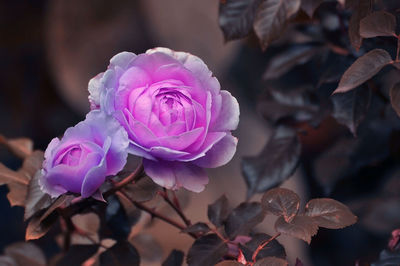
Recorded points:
177,117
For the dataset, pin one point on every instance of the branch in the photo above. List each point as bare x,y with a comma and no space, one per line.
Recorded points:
260,247
154,213
175,206
126,181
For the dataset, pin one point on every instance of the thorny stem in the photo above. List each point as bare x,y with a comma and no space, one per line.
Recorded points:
260,247
398,48
154,213
176,206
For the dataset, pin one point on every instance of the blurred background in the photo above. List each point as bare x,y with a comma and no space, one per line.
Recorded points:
50,49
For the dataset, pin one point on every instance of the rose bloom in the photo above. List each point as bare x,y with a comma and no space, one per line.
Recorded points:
177,117
87,153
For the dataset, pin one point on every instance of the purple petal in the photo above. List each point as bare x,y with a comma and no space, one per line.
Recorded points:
211,139
122,59
167,153
95,88
96,176
173,175
133,78
195,65
220,153
229,115
182,141
53,190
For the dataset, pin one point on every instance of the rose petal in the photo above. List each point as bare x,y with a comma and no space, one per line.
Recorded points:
220,153
53,190
95,176
167,153
211,139
150,63
71,178
194,64
182,141
228,118
95,87
173,175
133,78
122,59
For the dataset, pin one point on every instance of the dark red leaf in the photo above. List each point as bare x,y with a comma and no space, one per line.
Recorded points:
175,258
206,250
271,261
302,227
271,19
363,69
329,213
236,17
379,23
243,218
361,9
276,162
121,254
218,211
281,202
395,98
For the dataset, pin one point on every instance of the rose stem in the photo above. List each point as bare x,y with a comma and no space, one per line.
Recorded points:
154,213
176,207
260,247
135,174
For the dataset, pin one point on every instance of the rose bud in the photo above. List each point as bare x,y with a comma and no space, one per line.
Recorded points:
87,153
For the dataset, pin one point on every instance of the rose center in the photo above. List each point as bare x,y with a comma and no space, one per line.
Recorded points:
73,155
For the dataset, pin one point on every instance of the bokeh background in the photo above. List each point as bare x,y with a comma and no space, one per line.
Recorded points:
50,49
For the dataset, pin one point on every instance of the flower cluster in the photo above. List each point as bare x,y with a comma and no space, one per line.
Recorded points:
164,106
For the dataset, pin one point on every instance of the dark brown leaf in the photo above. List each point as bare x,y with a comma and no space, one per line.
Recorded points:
7,176
236,17
309,6
243,218
330,213
274,248
42,221
285,61
147,246
77,254
229,263
22,147
271,19
206,250
395,98
7,261
36,199
218,211
302,227
276,162
197,228
281,202
121,254
379,23
175,258
38,227
32,164
271,261
361,9
26,254
350,108
87,222
363,69
142,190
